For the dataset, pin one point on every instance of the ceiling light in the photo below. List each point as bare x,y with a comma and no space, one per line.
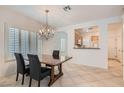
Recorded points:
46,31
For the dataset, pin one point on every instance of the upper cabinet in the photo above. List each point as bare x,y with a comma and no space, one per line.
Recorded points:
87,38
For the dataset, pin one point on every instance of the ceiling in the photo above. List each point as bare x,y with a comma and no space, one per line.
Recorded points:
78,14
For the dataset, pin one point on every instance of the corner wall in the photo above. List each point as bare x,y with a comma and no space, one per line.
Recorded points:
18,20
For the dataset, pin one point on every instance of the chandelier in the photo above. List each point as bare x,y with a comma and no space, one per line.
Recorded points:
46,31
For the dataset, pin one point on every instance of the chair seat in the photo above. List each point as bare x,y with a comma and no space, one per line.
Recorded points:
27,69
26,66
45,72
48,65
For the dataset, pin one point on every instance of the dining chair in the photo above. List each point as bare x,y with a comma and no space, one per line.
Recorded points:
21,67
55,54
37,72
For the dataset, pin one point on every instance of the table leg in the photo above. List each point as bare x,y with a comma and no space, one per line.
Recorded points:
60,72
51,76
54,77
60,68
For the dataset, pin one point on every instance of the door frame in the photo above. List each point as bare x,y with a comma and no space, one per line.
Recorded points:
122,22
123,44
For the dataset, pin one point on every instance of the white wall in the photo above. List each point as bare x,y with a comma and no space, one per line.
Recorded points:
16,19
90,57
55,44
48,46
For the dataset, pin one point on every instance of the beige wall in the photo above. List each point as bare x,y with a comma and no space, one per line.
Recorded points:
18,20
123,45
115,41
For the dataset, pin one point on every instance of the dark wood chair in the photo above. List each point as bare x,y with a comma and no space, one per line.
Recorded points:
36,71
55,54
21,67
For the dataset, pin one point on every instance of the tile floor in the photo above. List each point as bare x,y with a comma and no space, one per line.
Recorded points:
76,75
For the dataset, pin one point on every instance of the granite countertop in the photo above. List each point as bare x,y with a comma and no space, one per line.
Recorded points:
85,48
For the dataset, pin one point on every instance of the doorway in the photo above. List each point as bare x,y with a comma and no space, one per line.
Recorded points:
115,49
61,42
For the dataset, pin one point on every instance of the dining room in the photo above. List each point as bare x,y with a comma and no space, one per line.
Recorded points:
38,51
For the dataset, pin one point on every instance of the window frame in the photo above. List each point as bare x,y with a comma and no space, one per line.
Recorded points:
6,41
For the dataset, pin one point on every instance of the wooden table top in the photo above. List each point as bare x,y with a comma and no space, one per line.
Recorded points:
49,60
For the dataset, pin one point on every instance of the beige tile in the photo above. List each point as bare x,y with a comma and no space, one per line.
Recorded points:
76,75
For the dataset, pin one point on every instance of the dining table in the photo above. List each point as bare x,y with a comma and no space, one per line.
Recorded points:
52,62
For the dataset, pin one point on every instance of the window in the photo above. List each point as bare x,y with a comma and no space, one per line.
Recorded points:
13,41
24,42
33,42
20,41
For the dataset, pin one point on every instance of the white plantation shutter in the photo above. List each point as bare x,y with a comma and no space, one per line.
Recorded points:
20,41
24,42
13,41
39,48
33,42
